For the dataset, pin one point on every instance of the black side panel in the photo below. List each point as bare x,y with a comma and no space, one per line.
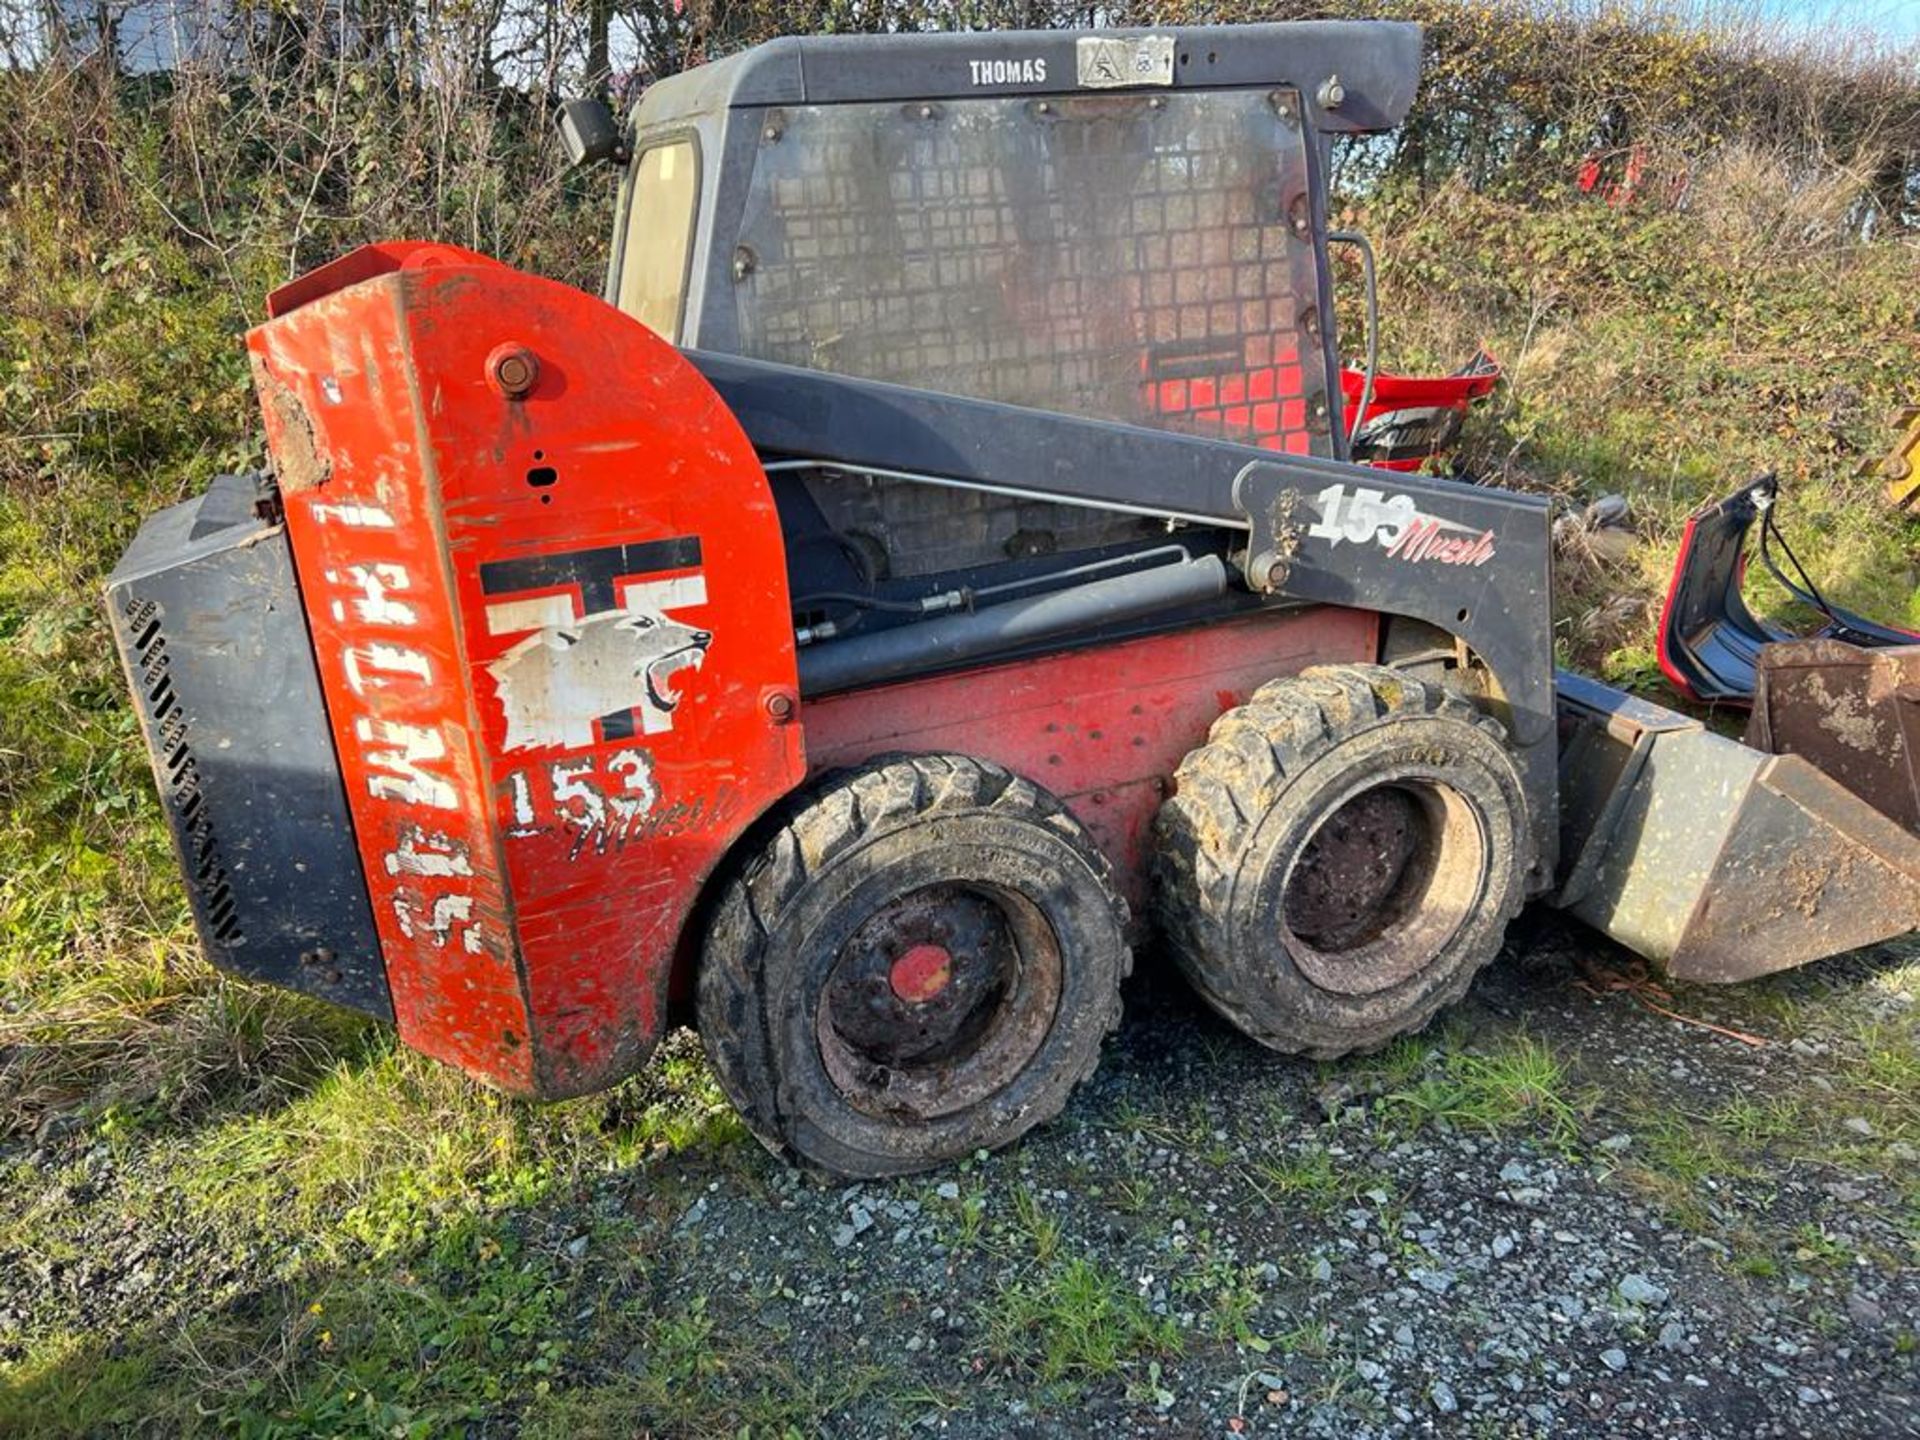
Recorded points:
1710,642
215,646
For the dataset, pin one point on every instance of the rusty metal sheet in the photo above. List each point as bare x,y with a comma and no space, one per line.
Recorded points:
1808,870
1853,713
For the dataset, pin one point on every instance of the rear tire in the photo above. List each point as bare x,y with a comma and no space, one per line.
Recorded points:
1341,857
921,962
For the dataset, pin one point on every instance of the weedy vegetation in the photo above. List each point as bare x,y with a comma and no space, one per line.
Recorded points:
1076,1321
1521,1085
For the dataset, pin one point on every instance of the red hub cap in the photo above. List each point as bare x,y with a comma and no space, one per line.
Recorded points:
921,973
938,999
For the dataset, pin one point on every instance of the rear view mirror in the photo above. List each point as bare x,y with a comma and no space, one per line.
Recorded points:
589,133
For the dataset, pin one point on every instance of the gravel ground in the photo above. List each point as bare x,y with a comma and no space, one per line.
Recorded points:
1458,1282
1218,1240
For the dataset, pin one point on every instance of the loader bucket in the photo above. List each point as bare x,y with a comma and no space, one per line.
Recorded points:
1714,860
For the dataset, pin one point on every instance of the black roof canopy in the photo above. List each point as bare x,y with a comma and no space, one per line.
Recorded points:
1352,75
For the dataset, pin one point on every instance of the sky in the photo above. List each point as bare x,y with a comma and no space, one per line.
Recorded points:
1893,19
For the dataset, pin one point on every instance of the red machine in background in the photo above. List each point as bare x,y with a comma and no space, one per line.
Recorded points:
1402,421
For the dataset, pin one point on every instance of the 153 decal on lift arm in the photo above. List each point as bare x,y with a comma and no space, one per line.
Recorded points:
1395,522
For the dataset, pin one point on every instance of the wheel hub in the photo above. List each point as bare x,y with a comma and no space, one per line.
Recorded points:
1344,885
921,973
919,980
937,998
1382,885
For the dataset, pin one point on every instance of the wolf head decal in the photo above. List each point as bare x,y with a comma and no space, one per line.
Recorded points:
555,683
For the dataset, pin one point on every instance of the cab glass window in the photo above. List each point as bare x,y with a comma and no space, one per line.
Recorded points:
653,265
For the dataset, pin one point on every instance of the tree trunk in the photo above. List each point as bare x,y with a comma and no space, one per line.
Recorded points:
599,66
106,26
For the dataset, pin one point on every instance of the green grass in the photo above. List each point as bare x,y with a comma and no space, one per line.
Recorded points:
1755,1122
1312,1338
395,1274
1881,1074
1133,1195
1041,1230
969,1215
1403,1061
1685,1158
1816,1248
1223,1292
1679,1157
419,1349
1309,1178
684,1374
1076,1322
1519,1085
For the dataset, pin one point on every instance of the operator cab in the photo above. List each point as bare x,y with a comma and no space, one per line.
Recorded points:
1122,225
1128,225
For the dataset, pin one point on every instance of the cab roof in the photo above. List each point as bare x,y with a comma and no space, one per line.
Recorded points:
1373,65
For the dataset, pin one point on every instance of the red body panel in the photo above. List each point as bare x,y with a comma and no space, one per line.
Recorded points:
1102,728
1413,392
547,590
1667,667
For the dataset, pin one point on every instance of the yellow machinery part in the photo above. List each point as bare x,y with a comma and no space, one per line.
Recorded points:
1901,468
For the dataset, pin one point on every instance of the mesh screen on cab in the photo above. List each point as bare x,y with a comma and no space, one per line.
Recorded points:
1127,257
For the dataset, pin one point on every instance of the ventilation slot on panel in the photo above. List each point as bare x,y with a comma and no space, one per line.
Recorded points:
181,773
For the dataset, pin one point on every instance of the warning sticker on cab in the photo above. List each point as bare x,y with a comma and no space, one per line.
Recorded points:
1107,62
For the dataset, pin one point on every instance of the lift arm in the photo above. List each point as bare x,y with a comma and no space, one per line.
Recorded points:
1474,562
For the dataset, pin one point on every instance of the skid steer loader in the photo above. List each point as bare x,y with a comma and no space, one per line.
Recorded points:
935,556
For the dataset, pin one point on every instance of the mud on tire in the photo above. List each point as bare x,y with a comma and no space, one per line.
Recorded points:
922,961
1341,857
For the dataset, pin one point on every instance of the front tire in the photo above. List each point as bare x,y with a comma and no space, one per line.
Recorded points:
1341,857
921,962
